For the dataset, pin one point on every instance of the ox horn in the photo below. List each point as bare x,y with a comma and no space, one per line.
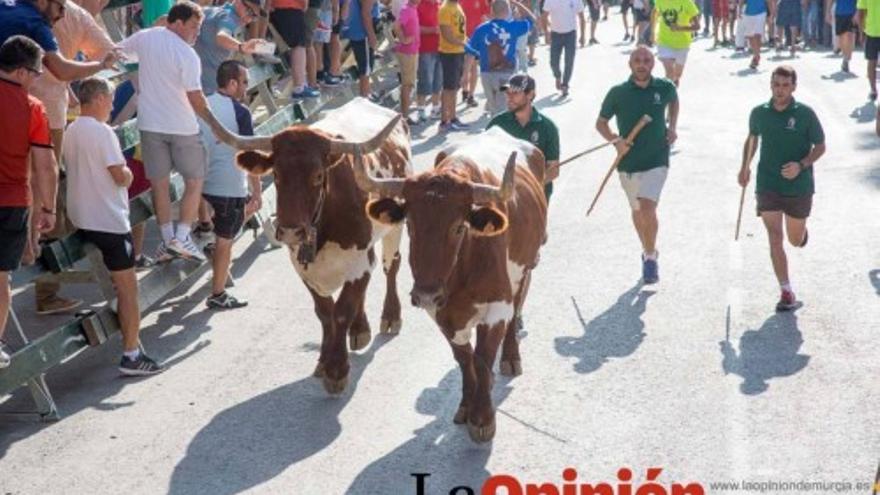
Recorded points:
369,146
490,194
382,187
244,143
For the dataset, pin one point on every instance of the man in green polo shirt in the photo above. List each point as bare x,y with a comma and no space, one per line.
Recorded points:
784,188
644,167
523,121
868,13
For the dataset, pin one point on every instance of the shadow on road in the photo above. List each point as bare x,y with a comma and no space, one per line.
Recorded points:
766,353
874,275
254,441
864,113
440,448
615,333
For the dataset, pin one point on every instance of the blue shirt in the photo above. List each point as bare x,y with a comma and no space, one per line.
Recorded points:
755,7
354,28
22,17
501,33
845,7
217,19
224,178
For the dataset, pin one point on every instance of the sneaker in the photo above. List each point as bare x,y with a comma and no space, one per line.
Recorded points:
532,62
844,66
471,102
413,121
564,90
423,115
650,271
444,126
142,366
872,95
185,249
306,92
594,41
332,81
203,228
787,301
5,358
162,254
435,113
143,262
224,301
457,125
464,96
57,305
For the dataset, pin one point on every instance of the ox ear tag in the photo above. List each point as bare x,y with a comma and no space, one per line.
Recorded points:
487,221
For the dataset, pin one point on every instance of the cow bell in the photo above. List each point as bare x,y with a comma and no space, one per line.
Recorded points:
308,249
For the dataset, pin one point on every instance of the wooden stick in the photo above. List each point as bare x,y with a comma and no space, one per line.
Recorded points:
645,120
750,150
587,152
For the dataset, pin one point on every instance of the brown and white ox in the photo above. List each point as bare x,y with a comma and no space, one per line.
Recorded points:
321,217
473,242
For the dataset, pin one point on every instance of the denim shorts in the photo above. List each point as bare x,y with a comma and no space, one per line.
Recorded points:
430,74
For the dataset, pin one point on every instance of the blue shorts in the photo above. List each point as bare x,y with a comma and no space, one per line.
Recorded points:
430,74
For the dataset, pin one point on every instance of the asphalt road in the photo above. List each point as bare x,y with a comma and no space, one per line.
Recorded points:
697,375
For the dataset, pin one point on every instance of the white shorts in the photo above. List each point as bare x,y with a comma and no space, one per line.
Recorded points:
753,25
643,185
679,55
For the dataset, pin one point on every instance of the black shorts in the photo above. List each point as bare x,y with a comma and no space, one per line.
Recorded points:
291,25
13,236
594,10
872,47
625,5
364,56
844,24
641,15
228,215
116,249
793,206
337,28
453,66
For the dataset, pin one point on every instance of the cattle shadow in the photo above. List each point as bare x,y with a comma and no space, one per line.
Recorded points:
766,353
874,277
254,441
440,447
616,333
433,143
865,113
748,72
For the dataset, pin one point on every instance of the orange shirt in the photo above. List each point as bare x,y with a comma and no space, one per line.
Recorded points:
23,124
289,4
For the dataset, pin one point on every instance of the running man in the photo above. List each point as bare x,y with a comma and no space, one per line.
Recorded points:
753,18
679,19
784,186
842,18
644,168
869,20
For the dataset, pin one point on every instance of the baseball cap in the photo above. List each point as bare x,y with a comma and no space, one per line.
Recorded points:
522,83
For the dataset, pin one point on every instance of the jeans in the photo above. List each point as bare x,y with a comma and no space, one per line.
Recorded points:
811,21
707,15
558,43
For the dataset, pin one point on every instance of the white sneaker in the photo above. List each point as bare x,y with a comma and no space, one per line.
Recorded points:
435,113
5,359
162,255
186,249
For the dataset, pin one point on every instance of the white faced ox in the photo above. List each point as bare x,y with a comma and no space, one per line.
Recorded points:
321,217
473,242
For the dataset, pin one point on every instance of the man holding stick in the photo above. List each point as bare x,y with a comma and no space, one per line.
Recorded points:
644,164
784,185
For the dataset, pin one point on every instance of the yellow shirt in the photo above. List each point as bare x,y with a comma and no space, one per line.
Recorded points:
451,15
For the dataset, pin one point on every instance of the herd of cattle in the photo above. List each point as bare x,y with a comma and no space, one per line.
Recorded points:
476,222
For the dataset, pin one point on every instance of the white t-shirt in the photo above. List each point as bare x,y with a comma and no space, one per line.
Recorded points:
94,201
168,68
563,14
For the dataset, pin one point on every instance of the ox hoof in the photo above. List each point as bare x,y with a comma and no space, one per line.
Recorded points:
460,417
319,371
390,327
511,367
335,387
358,341
482,434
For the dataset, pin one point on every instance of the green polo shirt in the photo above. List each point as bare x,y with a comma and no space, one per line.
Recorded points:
628,102
786,136
539,130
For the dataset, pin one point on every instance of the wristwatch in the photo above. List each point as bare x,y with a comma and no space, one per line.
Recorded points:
802,165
